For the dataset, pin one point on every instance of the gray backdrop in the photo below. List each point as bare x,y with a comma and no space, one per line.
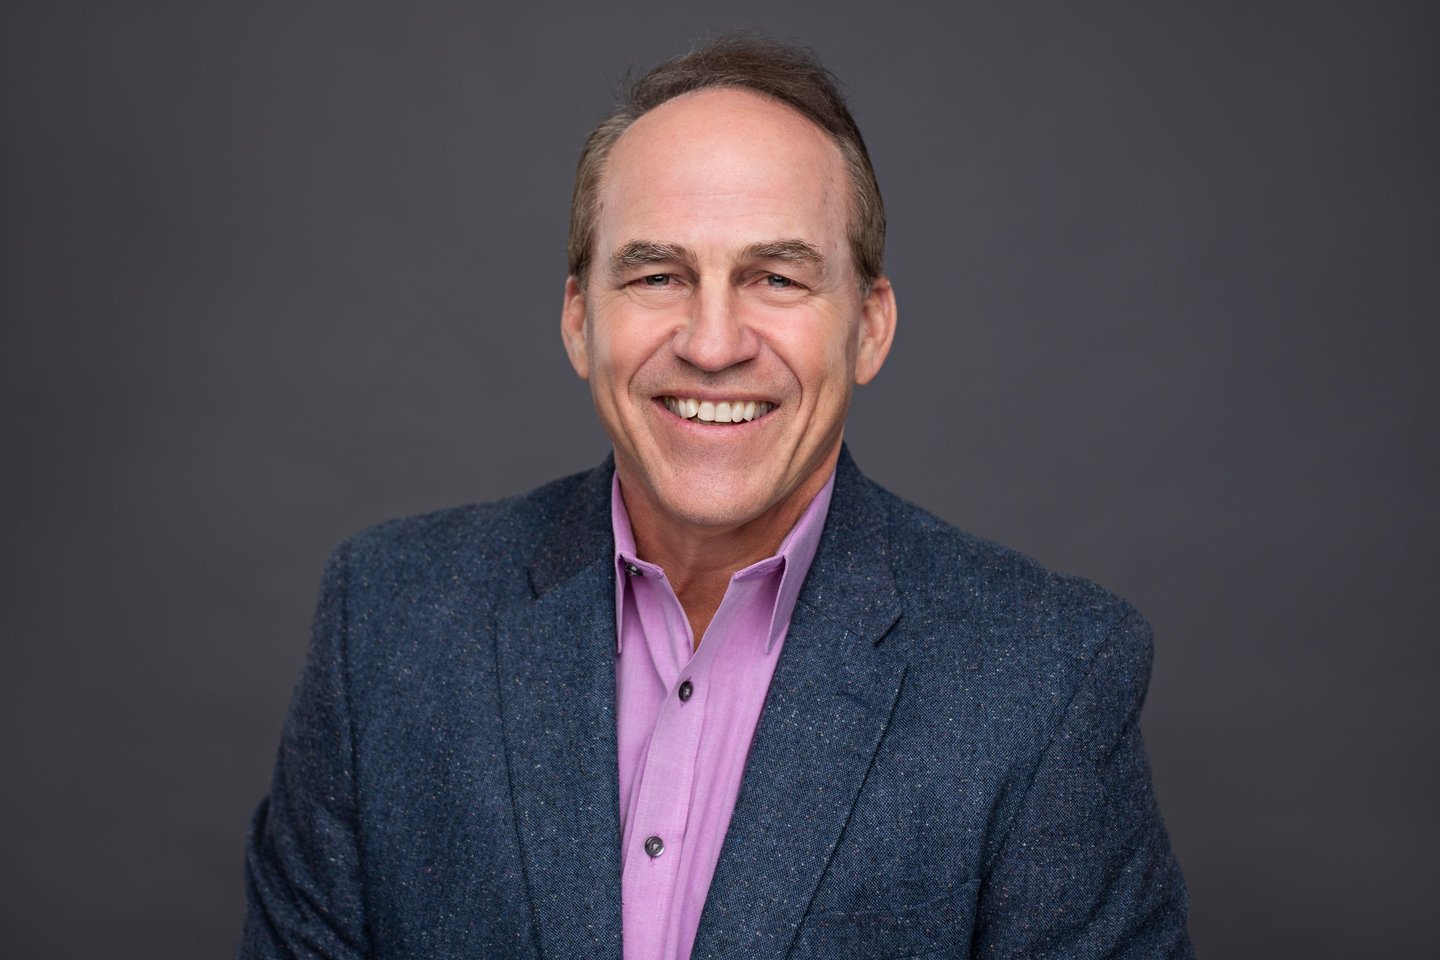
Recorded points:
1167,275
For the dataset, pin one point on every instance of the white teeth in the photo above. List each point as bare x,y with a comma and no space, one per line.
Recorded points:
711,411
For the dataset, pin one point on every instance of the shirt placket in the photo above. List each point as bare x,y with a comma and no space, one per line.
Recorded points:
662,810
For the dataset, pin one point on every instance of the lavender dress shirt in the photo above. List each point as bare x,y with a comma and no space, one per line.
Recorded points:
685,720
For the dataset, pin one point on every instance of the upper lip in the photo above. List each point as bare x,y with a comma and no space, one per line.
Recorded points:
716,396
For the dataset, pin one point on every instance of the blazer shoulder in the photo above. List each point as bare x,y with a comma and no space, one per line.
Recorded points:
1006,598
443,545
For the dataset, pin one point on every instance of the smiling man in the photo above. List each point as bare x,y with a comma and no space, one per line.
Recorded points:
721,697
722,328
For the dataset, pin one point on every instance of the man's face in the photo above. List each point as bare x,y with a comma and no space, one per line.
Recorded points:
721,281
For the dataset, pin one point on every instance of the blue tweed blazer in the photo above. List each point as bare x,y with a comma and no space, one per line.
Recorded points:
949,761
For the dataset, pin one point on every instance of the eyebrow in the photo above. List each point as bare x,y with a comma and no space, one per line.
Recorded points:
639,253
789,251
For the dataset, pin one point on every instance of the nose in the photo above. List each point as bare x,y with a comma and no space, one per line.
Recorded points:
714,335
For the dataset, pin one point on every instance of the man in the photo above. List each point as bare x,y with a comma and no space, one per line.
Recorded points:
725,698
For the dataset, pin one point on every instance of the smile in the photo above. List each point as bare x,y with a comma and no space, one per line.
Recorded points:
725,411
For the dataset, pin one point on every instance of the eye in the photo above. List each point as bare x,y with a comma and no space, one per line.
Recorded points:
776,282
658,287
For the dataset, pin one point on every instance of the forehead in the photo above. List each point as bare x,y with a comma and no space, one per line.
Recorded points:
723,165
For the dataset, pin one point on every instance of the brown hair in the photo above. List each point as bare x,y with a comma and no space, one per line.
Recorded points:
793,76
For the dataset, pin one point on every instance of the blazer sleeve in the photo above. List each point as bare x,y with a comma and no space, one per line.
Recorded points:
1086,868
302,879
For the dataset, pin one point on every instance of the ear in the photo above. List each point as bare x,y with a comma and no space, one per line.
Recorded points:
877,330
572,328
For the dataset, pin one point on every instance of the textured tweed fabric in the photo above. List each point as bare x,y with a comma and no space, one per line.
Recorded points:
948,763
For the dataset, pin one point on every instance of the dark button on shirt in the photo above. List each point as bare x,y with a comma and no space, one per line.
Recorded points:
685,690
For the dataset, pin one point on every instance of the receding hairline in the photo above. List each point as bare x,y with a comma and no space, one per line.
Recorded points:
793,249
790,75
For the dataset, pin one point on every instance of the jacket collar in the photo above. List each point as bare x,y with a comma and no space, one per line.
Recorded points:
580,535
852,581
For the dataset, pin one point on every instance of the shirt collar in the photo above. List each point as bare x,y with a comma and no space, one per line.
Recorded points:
792,559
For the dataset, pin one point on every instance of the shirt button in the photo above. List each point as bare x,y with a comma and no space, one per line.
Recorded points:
631,569
654,846
685,690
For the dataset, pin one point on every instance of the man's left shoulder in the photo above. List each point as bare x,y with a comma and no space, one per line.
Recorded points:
981,601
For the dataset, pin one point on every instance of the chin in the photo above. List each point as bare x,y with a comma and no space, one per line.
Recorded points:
720,505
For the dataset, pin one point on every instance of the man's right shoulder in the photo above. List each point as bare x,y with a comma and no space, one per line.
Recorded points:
455,543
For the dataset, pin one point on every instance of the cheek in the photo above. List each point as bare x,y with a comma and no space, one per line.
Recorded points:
822,363
621,347
606,341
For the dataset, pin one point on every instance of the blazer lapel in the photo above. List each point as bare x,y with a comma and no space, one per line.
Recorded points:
828,706
555,648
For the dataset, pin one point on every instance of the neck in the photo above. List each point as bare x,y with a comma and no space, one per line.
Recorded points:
699,567
700,559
